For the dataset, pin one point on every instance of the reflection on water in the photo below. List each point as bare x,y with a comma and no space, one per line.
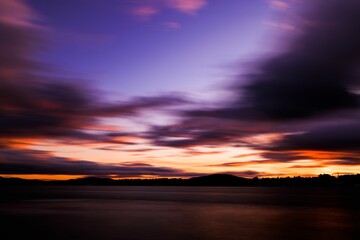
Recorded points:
133,213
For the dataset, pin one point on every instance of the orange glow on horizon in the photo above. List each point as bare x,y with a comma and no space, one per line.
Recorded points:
204,160
45,177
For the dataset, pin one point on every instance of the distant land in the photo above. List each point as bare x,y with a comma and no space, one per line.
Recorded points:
323,180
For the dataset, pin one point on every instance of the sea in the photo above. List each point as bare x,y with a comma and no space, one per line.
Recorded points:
178,213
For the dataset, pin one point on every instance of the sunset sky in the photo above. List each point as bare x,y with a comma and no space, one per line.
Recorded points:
179,88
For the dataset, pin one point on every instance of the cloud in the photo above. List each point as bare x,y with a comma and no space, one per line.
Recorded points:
315,74
145,12
182,137
295,94
243,163
312,159
41,162
32,105
324,158
35,106
148,9
137,104
56,109
338,137
187,6
245,155
17,13
279,4
307,166
193,152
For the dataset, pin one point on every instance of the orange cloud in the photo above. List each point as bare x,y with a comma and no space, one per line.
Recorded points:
18,143
245,155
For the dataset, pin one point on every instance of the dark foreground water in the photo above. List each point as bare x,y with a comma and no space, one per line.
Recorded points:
184,213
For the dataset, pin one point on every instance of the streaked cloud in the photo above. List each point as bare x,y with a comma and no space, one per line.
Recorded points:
282,25
17,13
35,108
279,4
311,80
187,6
334,137
148,9
32,105
306,97
41,162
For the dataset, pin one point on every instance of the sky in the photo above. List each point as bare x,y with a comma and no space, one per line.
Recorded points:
179,88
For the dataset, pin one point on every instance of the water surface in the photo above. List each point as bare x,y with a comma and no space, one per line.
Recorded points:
174,213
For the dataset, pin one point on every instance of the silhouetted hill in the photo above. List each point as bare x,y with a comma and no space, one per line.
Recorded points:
91,181
19,181
323,180
219,180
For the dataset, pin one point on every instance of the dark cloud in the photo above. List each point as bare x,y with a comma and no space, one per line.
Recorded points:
324,158
188,137
137,104
347,161
32,105
198,131
339,137
283,156
15,161
317,73
56,109
204,138
269,157
312,82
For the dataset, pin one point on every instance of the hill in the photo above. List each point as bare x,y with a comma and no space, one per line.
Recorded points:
219,180
323,180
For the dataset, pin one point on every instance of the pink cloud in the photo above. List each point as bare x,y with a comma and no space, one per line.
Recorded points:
16,12
279,4
145,12
187,6
153,7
